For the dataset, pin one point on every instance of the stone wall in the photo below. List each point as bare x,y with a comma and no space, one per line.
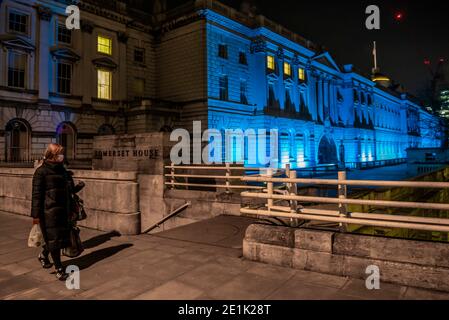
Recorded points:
405,262
181,68
125,191
111,198
124,201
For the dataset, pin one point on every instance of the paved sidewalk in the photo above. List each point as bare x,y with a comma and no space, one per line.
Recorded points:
200,261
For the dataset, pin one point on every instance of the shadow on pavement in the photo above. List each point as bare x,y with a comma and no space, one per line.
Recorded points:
84,262
100,239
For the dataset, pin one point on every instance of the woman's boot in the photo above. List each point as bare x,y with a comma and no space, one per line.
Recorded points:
61,274
44,260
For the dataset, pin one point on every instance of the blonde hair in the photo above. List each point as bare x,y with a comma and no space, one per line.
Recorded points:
52,151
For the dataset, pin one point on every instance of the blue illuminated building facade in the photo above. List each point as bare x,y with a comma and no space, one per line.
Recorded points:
324,113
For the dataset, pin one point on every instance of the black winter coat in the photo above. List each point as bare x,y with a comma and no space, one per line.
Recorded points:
51,201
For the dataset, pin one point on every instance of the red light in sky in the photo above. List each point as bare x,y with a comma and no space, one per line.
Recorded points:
427,62
398,16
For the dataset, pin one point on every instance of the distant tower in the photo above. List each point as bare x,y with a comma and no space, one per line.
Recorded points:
249,8
442,91
376,75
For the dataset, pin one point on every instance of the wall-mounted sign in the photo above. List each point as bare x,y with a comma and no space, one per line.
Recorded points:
152,154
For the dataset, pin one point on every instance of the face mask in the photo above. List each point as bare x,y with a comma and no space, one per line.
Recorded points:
60,158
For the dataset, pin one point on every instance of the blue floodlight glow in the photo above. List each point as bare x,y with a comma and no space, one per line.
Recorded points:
334,115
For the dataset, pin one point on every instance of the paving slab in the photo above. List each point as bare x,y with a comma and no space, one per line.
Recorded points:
422,294
208,276
298,290
272,272
246,286
125,287
321,279
356,287
17,284
172,290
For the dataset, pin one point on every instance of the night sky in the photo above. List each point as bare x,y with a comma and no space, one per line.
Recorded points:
403,46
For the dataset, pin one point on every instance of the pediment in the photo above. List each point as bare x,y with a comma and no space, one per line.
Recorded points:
16,42
65,53
105,63
327,60
288,82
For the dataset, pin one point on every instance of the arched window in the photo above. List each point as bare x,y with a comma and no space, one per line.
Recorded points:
106,130
18,134
66,136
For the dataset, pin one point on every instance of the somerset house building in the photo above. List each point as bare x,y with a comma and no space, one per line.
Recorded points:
133,70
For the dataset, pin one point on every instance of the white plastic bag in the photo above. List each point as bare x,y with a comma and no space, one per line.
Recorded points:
36,238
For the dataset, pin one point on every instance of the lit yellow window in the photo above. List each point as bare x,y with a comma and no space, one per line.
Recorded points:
301,74
105,45
104,85
270,63
287,69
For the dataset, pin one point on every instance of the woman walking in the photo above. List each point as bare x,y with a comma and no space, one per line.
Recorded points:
50,206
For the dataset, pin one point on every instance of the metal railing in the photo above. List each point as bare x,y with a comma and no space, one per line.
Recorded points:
343,216
281,186
226,175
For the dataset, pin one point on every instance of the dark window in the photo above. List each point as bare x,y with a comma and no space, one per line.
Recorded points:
64,78
18,22
288,101
431,156
66,137
16,69
271,96
64,34
17,137
242,58
243,92
223,51
139,55
339,96
224,88
356,96
106,130
362,96
370,99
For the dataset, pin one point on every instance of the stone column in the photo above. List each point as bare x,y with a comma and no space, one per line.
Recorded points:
334,102
280,83
44,14
325,99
